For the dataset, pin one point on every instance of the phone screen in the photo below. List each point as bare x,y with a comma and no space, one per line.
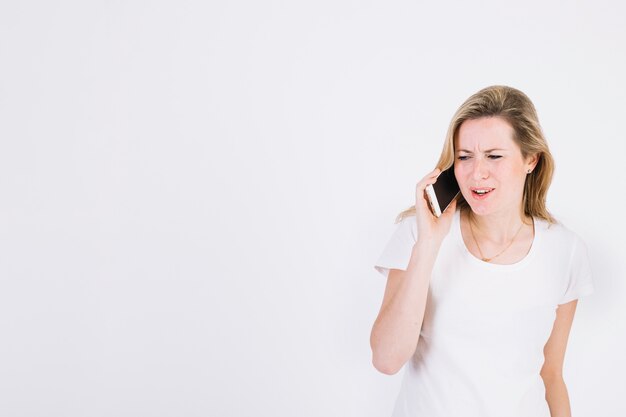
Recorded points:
446,188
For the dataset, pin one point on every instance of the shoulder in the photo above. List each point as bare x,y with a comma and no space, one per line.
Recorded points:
558,235
408,226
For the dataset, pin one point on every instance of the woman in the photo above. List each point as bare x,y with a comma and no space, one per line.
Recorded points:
479,302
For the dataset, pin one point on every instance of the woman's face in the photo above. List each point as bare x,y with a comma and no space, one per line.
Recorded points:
489,166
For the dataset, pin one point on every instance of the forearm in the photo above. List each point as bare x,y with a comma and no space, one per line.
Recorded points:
556,396
396,331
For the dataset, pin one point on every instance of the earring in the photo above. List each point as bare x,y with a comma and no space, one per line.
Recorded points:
529,171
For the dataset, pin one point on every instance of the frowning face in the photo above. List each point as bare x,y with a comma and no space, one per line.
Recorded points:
489,166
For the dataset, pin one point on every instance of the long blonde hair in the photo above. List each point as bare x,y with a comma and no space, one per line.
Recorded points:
516,108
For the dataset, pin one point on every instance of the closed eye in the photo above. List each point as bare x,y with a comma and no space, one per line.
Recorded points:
494,156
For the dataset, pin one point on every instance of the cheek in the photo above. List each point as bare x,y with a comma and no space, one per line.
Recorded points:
514,178
459,173
464,175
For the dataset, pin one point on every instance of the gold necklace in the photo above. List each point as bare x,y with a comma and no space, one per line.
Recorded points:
478,246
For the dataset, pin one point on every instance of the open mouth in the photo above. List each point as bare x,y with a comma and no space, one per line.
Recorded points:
482,191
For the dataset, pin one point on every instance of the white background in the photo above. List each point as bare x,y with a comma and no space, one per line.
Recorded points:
193,194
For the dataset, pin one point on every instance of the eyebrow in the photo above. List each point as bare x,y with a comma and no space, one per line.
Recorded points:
486,151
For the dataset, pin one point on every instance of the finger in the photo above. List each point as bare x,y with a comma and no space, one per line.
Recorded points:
424,182
432,174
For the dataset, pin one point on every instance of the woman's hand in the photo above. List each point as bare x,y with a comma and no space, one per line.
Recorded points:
428,226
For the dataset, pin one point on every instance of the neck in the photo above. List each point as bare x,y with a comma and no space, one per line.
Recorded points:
497,228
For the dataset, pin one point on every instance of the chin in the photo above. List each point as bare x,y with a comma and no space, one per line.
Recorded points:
480,209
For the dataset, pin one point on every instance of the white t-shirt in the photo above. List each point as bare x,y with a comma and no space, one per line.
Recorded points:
480,348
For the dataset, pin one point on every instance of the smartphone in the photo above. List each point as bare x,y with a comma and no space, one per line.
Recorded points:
441,193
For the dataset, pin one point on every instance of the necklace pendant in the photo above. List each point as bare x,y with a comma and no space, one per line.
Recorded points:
486,259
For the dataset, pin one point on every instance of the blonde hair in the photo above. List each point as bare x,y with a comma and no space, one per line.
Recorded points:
514,107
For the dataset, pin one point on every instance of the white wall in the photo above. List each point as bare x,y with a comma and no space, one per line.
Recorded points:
193,194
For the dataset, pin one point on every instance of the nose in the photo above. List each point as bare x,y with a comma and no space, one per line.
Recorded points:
480,170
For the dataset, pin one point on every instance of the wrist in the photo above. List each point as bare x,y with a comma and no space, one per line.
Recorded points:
427,245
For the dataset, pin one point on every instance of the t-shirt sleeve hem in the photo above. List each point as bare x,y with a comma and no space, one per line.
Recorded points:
384,269
584,290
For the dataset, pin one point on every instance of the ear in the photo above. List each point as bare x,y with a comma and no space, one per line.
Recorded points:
531,161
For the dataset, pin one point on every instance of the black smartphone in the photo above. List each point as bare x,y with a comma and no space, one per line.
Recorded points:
442,192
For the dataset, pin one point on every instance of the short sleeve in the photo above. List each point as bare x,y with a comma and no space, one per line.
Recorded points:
397,252
580,280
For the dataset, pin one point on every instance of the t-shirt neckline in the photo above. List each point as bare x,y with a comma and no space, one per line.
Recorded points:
474,260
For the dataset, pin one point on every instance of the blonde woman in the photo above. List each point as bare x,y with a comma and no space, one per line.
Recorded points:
479,302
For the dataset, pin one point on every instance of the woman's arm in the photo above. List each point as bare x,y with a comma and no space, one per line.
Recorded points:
396,330
554,353
556,396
